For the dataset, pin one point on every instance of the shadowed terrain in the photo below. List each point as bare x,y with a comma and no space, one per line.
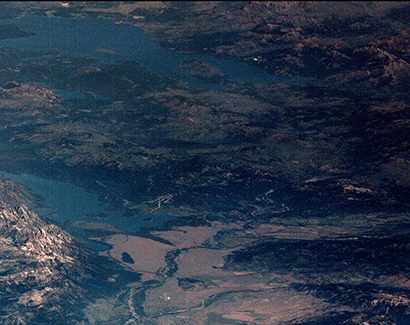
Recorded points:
246,162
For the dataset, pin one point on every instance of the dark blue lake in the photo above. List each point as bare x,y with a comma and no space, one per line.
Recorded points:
112,43
108,43
70,203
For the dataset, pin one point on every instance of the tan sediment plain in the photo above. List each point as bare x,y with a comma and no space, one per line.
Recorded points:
175,298
201,264
202,268
148,255
201,261
268,307
263,307
201,291
188,236
170,297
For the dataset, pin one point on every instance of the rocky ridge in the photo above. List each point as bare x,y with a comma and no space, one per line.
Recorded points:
39,262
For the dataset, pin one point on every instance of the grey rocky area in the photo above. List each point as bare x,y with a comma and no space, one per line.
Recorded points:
39,262
240,162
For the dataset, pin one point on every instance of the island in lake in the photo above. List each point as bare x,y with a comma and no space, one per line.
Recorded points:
204,163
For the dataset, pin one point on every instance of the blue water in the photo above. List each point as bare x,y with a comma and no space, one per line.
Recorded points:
70,203
109,43
86,36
